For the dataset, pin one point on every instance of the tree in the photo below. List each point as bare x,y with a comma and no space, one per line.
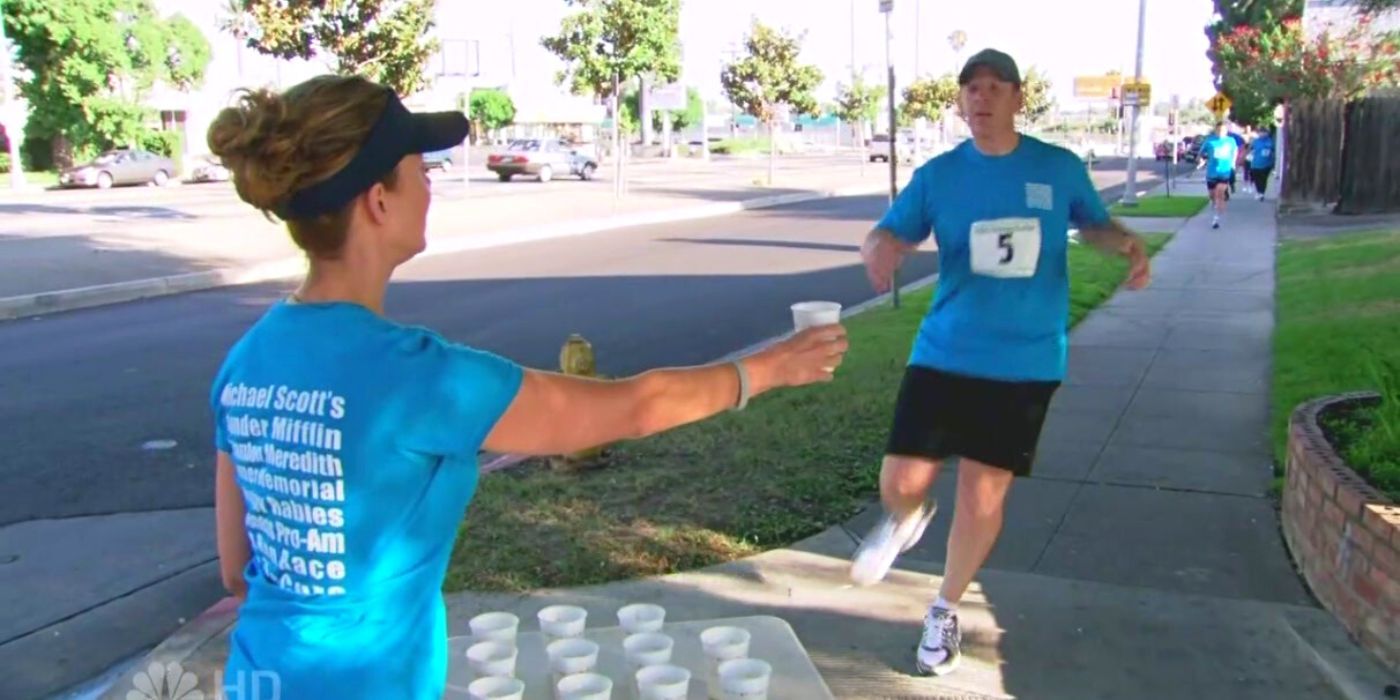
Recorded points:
770,78
1262,67
386,41
859,103
91,62
928,98
613,42
1035,87
491,109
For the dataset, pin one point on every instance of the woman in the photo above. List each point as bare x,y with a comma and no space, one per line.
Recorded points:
347,443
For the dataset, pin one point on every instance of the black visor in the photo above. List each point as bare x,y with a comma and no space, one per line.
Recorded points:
397,133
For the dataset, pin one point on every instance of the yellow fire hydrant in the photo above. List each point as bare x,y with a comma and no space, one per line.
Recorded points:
576,359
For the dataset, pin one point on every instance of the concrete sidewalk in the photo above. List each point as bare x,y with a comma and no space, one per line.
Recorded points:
1142,560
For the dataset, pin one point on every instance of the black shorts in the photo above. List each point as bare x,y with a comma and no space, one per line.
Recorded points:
1212,182
940,414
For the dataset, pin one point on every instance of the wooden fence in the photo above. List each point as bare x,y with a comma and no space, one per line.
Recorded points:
1344,154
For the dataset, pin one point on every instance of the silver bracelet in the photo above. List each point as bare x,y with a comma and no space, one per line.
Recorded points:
743,385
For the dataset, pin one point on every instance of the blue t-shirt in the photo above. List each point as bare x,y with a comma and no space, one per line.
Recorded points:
1001,224
355,441
1261,153
1221,153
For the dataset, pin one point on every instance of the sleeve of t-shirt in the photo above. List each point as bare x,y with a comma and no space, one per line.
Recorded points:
908,218
466,391
1086,208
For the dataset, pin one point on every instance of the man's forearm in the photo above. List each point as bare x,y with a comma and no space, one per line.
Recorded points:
1112,237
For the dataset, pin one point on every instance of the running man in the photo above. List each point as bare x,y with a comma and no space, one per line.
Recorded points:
992,350
1261,160
1219,153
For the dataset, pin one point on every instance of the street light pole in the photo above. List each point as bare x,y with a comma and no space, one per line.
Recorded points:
1130,192
887,7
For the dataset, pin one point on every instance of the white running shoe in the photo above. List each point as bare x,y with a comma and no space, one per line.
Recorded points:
940,646
886,541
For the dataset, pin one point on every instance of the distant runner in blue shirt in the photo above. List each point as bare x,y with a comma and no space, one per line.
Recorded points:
1261,160
1219,152
992,350
346,443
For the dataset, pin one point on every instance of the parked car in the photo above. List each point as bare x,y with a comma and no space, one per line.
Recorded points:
209,169
1163,150
438,160
119,167
543,158
879,148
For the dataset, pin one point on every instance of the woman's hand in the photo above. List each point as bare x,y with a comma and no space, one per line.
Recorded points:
808,357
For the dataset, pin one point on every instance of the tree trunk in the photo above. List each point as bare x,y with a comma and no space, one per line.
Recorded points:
772,151
644,111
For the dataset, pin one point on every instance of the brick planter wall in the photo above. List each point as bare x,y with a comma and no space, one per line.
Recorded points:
1344,534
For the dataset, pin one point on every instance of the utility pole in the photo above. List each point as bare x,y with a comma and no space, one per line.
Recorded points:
1130,192
858,125
887,7
617,135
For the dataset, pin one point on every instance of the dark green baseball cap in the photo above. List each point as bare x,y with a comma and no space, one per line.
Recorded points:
1003,65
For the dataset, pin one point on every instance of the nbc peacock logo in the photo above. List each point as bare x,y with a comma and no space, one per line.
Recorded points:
168,682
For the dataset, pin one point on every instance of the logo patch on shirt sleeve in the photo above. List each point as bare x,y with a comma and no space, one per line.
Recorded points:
1040,196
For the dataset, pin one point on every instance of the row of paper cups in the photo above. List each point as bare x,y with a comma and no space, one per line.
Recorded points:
573,659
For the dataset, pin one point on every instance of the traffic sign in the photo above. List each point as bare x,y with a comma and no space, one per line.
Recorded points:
1095,87
887,6
1137,93
670,97
1219,104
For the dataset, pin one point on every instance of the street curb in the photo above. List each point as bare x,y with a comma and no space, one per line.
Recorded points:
185,642
28,305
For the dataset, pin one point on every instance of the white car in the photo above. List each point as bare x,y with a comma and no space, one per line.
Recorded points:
209,169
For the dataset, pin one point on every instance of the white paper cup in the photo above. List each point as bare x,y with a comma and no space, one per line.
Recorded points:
492,659
562,622
496,688
494,627
571,656
663,682
806,314
641,617
647,649
744,679
585,686
722,644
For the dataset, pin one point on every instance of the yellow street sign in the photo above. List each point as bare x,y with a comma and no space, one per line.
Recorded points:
1095,87
1219,104
1137,93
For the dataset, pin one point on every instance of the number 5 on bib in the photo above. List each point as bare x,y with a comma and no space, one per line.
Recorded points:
1006,247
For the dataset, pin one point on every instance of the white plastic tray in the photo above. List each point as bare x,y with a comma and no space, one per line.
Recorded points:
794,675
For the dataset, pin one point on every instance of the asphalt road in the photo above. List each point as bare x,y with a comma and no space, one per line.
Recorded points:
105,410
84,396
82,393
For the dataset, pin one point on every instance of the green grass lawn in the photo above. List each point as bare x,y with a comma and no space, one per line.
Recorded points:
791,465
740,146
1163,206
1338,330
38,178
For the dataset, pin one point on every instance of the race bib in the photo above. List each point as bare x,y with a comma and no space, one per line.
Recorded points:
1006,247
